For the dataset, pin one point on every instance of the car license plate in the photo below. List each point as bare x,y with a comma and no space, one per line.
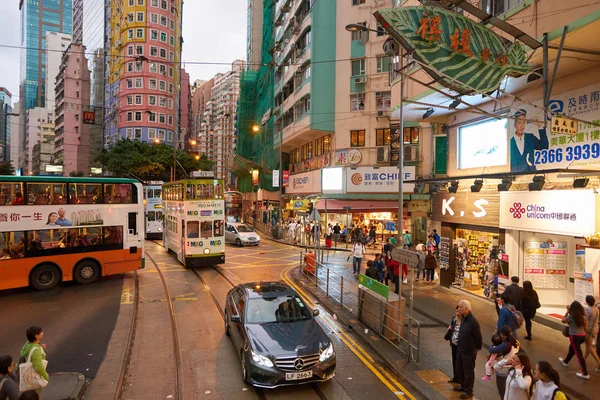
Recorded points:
294,376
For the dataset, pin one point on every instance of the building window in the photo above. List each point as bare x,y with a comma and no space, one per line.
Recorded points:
172,24
153,34
162,101
129,116
154,18
129,133
138,116
152,100
357,35
151,133
170,104
153,51
357,138
163,53
152,84
151,117
162,69
382,137
130,34
498,7
380,30
138,99
171,40
137,133
139,67
139,33
170,136
358,67
129,17
323,145
171,72
295,156
130,67
129,83
357,102
383,64
358,2
140,17
139,50
154,3
129,100
383,100
139,83
163,4
307,150
162,118
170,120
130,50
162,85
131,3
161,134
163,21
152,67
170,88
163,37
171,56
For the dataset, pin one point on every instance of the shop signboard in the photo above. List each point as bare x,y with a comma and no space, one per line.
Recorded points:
306,183
286,177
276,178
332,180
348,157
467,208
584,286
565,143
378,180
545,264
562,212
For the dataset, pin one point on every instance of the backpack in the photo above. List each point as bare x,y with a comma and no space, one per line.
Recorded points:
518,316
557,390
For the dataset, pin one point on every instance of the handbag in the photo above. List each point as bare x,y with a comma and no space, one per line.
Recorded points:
448,334
29,379
436,276
565,331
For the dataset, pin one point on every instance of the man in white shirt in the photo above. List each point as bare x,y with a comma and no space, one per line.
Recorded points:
358,252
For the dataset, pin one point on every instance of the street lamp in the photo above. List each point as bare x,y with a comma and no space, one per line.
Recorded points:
255,128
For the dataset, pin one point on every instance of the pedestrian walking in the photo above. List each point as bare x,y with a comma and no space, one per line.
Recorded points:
509,347
394,267
514,293
531,302
35,348
436,238
371,271
577,320
358,252
452,336
507,315
373,235
547,383
407,240
468,344
430,265
519,378
393,241
336,233
380,267
9,388
592,313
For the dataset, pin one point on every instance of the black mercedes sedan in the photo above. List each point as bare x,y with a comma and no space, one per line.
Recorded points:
276,336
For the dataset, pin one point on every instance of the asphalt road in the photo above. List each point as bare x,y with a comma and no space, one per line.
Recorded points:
77,322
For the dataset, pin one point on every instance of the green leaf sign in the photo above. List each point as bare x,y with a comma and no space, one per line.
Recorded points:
374,285
461,54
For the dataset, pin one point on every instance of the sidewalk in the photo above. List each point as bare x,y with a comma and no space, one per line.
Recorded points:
65,386
434,307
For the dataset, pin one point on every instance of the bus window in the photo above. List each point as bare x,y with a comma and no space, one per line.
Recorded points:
113,235
38,193
193,229
12,244
218,227
12,193
206,229
84,193
115,193
58,194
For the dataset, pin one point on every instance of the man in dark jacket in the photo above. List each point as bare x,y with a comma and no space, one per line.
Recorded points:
372,271
514,294
469,342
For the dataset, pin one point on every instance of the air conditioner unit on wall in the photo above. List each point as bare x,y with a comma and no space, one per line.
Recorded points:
410,154
360,80
383,154
383,113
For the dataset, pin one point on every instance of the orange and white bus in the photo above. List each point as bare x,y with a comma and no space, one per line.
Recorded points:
58,229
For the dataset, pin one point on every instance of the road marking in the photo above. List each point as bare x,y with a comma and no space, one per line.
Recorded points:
126,296
384,376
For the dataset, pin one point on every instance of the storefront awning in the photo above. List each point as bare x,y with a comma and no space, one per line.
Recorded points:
357,206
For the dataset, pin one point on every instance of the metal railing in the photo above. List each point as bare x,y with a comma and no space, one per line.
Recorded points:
387,320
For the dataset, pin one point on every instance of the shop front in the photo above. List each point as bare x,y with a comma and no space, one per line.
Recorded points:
546,242
471,251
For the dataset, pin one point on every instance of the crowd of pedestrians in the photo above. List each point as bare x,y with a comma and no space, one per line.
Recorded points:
25,381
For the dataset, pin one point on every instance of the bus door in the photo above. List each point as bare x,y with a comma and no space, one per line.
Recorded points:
133,235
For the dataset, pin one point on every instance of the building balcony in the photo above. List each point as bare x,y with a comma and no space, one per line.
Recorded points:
300,132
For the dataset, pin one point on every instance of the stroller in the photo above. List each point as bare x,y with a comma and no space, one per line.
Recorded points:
369,242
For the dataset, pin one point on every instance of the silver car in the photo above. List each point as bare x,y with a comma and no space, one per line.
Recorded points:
241,234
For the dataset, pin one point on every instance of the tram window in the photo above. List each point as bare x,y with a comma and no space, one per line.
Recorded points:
85,193
206,229
159,216
12,193
115,193
191,192
151,216
218,224
157,193
193,229
218,191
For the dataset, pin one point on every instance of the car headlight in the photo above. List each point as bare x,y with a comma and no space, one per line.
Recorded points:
327,353
261,360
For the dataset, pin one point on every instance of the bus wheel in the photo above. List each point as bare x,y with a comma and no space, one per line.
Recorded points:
86,271
45,277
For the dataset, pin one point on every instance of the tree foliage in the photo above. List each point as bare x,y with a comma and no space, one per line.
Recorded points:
149,161
6,168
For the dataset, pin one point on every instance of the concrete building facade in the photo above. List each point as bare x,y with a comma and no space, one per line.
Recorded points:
72,132
16,135
5,123
43,152
56,44
185,111
142,95
34,118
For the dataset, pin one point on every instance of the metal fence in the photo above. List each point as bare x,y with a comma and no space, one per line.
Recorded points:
388,321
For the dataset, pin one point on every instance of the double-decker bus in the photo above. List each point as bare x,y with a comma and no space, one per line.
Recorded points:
233,206
195,221
58,229
153,216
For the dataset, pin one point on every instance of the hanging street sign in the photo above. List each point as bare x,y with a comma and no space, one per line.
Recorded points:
456,51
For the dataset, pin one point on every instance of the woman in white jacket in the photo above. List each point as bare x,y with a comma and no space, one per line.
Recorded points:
518,381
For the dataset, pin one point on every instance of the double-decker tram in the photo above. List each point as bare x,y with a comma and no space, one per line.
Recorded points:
195,221
153,216
58,229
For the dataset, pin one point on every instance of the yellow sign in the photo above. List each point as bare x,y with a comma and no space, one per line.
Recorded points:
563,126
298,205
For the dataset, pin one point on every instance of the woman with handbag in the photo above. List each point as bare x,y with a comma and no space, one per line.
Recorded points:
33,353
452,336
577,320
531,302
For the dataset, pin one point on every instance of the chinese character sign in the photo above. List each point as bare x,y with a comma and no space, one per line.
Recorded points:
536,143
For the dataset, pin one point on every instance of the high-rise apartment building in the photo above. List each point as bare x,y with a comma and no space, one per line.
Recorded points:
43,152
141,99
216,138
16,134
37,19
5,123
185,111
56,44
200,96
34,119
254,34
72,132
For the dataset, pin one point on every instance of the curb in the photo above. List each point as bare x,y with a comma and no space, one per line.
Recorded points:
78,390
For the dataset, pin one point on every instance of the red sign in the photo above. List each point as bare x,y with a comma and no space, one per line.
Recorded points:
89,117
286,178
